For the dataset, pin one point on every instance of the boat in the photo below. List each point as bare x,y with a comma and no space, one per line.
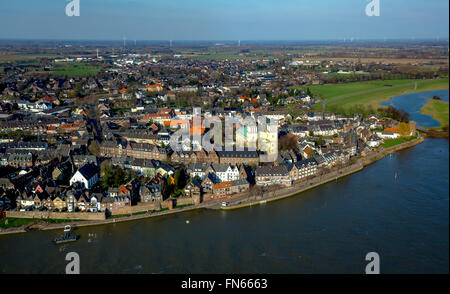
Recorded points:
68,237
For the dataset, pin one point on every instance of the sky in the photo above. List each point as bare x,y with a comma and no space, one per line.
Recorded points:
224,20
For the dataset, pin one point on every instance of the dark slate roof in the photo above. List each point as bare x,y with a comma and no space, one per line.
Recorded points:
88,170
238,154
196,183
24,145
197,167
272,170
306,162
239,182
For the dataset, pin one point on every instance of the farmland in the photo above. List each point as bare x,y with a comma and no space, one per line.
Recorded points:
344,96
229,56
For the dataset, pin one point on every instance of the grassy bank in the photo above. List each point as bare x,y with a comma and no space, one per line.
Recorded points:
392,142
371,93
439,110
7,223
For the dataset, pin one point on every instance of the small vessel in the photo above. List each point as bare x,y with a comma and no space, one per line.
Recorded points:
68,237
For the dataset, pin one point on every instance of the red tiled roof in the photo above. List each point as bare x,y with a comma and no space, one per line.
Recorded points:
222,185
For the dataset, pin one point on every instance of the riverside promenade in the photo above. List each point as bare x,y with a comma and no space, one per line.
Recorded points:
239,200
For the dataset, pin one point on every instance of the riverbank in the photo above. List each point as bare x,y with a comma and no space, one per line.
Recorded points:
244,200
301,187
45,226
438,110
432,133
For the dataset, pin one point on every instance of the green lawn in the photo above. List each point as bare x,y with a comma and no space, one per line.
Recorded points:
438,109
75,70
371,93
392,142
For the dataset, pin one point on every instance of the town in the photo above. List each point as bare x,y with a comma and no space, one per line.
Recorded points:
101,143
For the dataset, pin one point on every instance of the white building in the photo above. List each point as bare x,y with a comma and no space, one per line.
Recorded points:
373,141
87,175
225,172
388,135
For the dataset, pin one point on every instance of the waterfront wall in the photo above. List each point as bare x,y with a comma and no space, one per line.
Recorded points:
133,209
382,153
56,215
144,207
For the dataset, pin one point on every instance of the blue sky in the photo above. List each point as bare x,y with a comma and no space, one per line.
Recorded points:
223,20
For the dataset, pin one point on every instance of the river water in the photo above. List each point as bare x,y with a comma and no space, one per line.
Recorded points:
412,103
329,229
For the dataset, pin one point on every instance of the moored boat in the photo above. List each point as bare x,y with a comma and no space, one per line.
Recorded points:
68,237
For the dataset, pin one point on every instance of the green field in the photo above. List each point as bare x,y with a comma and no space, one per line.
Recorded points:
75,70
392,142
19,57
438,109
371,93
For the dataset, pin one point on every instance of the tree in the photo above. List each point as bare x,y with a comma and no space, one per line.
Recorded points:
404,129
320,141
166,188
105,165
180,178
113,177
94,148
310,153
287,142
308,92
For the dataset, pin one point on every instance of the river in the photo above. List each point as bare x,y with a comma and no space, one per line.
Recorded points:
329,229
412,103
